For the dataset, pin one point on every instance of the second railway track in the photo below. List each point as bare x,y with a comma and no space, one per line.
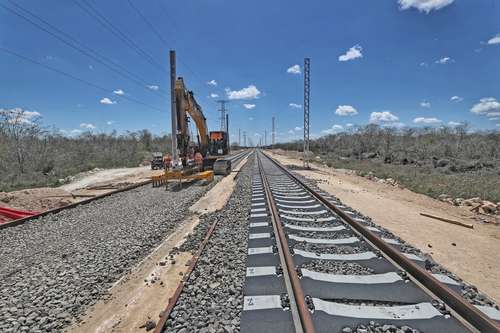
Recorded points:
313,266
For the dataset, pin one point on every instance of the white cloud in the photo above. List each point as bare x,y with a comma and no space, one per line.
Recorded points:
212,95
106,100
456,99
295,69
295,105
428,121
249,92
87,126
335,128
19,115
383,117
444,60
425,104
424,5
486,105
498,125
153,87
212,83
110,122
349,125
353,53
454,123
297,128
346,110
119,92
71,132
494,40
493,114
423,64
249,106
495,118
291,132
250,118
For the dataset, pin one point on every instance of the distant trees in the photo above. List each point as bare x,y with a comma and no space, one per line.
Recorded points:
408,144
31,155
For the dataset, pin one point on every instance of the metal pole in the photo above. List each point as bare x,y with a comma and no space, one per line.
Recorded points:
239,137
173,107
265,137
228,136
306,111
274,133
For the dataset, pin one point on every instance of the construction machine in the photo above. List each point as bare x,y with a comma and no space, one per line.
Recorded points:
213,146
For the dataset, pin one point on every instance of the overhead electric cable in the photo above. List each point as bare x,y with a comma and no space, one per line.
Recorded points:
13,53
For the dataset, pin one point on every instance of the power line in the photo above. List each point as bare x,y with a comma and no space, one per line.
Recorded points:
160,37
74,77
78,46
93,12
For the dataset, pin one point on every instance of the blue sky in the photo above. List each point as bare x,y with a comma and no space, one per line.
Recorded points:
392,62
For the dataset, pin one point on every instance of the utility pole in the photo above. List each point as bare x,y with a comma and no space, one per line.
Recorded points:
223,110
306,111
173,107
239,137
273,133
228,136
265,137
244,138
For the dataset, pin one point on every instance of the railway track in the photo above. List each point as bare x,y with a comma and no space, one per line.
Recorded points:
314,266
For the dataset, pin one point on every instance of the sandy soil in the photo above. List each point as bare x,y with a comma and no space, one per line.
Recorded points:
134,299
83,187
474,258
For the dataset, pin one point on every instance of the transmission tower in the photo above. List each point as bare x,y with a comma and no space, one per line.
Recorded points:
306,111
223,110
274,133
244,139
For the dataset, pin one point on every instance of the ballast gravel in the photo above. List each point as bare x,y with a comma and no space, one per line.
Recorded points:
212,299
337,267
55,267
331,249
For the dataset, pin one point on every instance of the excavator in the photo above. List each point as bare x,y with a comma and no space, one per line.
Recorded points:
213,146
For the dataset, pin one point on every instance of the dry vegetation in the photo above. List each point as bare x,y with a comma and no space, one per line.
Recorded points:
432,161
32,155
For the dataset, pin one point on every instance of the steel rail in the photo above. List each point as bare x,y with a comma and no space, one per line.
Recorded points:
452,299
72,205
303,310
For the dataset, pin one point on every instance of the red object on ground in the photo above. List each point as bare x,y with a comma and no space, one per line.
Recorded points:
14,214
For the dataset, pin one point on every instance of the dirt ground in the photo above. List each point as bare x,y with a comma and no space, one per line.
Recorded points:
475,255
134,299
85,185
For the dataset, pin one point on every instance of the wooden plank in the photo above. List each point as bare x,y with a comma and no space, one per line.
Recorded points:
466,225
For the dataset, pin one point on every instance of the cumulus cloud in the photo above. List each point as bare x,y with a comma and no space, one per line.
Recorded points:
154,87
297,128
443,61
353,53
87,126
110,122
295,105
291,132
424,5
494,40
346,110
493,114
250,118
249,106
212,95
295,69
19,115
428,121
334,129
486,105
456,99
250,92
454,123
383,117
70,132
106,100
425,104
119,92
212,83
423,64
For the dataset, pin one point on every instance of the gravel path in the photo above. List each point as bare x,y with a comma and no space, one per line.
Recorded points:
53,268
212,300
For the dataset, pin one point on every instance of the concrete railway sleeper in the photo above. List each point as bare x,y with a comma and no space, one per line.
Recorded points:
313,265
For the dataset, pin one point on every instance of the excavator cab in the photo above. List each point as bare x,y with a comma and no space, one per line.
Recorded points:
218,145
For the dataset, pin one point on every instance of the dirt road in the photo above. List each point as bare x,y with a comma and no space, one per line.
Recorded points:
472,254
